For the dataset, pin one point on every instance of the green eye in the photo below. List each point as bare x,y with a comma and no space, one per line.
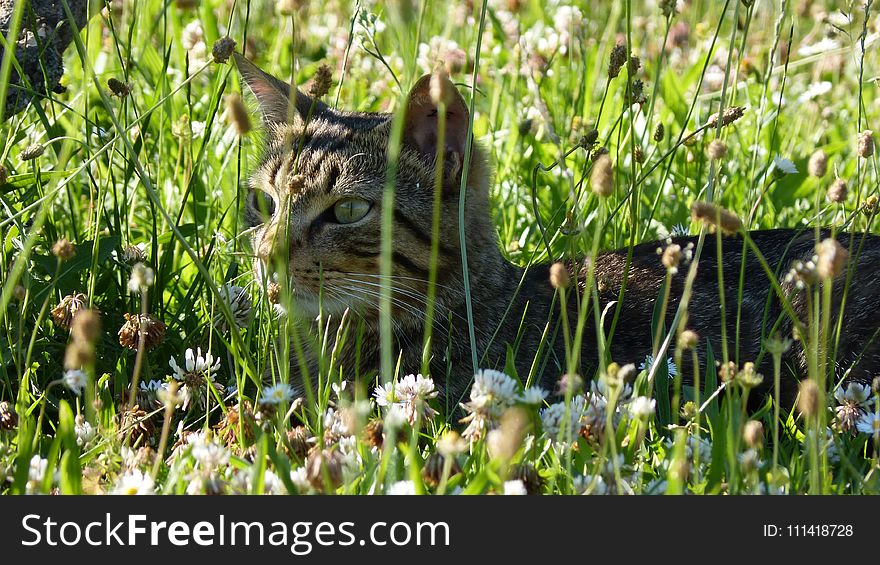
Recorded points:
351,210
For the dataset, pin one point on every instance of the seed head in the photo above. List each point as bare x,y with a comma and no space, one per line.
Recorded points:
559,277
689,339
865,144
118,88
322,82
86,326
133,254
4,174
671,257
870,205
63,249
837,191
618,58
716,217
659,133
135,324
324,469
668,7
716,150
808,398
273,293
639,154
730,115
223,49
602,176
237,114
31,152
818,164
588,140
832,257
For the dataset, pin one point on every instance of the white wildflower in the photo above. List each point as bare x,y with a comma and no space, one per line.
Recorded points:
240,304
276,395
515,487
135,482
75,380
533,396
642,407
784,166
141,278
403,488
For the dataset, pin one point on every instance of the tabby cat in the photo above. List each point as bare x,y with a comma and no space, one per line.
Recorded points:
323,173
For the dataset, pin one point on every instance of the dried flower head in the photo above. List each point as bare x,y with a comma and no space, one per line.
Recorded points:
639,154
136,423
8,416
273,293
65,311
716,150
118,88
865,144
870,205
602,176
374,433
321,82
4,174
31,152
618,58
237,115
132,254
300,440
668,7
63,249
223,49
748,377
559,277
832,258
730,115
135,325
803,273
589,139
716,217
818,164
432,472
837,191
324,469
808,398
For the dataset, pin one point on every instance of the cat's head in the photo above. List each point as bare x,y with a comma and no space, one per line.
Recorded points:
315,204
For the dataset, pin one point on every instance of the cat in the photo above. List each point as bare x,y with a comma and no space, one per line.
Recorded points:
333,165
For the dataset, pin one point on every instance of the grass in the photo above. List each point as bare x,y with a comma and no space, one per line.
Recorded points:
163,168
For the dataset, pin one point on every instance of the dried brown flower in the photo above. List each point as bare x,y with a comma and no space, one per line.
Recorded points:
618,58
152,328
63,249
659,133
730,115
64,312
118,88
322,82
559,276
837,191
324,469
865,146
689,339
716,217
136,424
808,398
300,441
86,326
31,152
237,114
716,150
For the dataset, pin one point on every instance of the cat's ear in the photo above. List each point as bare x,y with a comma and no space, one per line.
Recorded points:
273,94
421,124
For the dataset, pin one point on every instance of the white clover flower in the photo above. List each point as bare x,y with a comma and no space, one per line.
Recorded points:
854,393
642,407
141,278
395,417
75,380
515,488
553,418
411,393
493,389
869,424
84,431
208,453
568,21
276,395
135,482
240,304
784,166
37,468
402,488
300,479
533,396
195,364
272,484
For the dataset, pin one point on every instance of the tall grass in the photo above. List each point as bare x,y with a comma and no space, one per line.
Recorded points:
163,167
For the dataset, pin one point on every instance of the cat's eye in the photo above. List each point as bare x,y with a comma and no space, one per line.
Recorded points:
351,210
262,203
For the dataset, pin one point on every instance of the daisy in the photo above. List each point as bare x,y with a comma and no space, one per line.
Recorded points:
276,394
135,482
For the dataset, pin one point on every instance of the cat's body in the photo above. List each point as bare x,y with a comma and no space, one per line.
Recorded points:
325,176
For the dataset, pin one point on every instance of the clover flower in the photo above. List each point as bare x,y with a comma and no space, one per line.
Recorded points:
75,380
135,482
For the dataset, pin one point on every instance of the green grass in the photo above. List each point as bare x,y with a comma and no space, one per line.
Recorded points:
163,168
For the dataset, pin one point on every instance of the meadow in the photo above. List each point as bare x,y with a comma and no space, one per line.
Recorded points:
135,340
